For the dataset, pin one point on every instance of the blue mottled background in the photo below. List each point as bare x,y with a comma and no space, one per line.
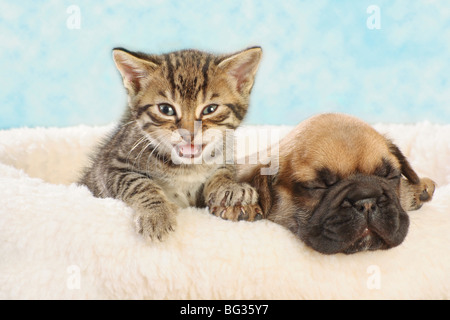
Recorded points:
318,56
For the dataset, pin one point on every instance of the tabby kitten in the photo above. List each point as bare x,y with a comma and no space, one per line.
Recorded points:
155,159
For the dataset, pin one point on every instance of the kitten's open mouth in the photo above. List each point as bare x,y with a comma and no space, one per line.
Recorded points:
189,150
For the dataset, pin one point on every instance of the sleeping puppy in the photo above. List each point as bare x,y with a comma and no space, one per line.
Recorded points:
341,186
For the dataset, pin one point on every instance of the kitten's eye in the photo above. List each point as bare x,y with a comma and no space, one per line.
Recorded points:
210,109
166,109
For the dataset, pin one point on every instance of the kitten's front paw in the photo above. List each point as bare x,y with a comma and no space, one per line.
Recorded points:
235,202
238,213
157,222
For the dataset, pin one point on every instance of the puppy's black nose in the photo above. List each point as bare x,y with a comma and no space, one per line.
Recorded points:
366,206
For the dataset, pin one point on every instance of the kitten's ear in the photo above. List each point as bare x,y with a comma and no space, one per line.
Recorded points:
134,70
242,67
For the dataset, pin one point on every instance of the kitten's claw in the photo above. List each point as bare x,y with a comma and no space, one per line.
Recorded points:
232,195
236,202
238,213
243,214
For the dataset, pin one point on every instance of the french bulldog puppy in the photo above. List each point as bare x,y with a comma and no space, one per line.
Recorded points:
341,186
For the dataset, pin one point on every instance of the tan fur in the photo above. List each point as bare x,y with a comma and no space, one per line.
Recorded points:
340,143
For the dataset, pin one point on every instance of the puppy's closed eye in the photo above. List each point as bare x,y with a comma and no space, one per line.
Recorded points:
309,185
387,170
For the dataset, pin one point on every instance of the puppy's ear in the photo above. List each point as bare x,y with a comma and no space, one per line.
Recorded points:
262,183
406,168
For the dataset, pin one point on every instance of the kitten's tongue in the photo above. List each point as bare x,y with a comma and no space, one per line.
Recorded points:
189,150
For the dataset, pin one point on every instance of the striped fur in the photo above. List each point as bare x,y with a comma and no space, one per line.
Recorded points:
135,163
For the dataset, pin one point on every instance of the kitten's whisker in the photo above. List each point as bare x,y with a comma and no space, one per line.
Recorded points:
163,137
138,158
150,155
125,124
142,139
151,142
154,149
139,141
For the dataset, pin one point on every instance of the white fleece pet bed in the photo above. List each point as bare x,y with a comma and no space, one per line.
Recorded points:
58,241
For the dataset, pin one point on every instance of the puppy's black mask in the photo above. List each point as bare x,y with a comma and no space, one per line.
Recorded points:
361,212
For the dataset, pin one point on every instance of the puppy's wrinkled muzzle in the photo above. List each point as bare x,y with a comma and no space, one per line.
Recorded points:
359,213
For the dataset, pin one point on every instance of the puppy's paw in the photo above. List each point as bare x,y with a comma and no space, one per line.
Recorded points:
235,201
157,222
415,195
424,191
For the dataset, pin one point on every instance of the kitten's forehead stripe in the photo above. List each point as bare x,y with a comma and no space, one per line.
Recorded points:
170,75
205,76
178,61
184,72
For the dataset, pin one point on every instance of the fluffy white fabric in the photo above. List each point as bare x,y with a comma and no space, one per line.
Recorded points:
58,241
